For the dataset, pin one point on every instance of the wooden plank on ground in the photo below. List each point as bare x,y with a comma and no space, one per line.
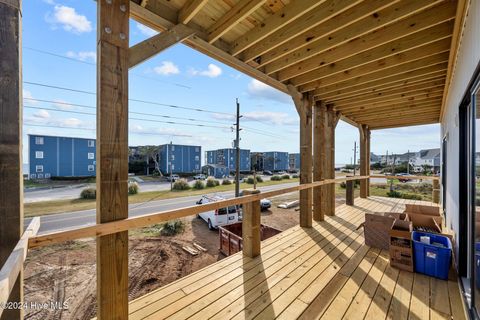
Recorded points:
420,301
456,303
439,308
400,304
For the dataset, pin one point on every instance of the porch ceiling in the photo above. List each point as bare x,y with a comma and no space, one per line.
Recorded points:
380,63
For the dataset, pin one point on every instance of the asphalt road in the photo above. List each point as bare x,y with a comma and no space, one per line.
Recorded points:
69,220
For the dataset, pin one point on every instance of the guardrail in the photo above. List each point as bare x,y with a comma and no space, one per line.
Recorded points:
14,264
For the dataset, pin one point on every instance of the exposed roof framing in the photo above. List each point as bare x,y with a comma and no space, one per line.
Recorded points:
373,60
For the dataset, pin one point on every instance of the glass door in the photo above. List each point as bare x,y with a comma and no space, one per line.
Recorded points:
474,195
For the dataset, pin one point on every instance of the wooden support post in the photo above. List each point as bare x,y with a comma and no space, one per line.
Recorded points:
350,189
319,160
331,118
11,179
251,226
368,161
364,159
112,155
436,191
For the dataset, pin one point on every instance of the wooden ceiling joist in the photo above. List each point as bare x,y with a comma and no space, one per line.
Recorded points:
404,108
310,60
278,20
379,58
377,125
366,108
426,99
398,113
234,16
190,9
420,72
334,83
385,13
391,94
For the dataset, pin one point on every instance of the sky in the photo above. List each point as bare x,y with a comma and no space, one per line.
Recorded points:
59,50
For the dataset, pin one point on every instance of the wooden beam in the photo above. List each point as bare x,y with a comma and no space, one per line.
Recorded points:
418,73
360,64
251,231
307,21
331,84
330,159
427,98
319,159
402,123
287,14
423,87
332,97
237,14
397,111
199,43
148,48
364,159
190,9
313,59
430,111
112,156
11,121
375,16
13,266
460,16
366,109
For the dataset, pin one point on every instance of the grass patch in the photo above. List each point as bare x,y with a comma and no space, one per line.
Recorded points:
59,206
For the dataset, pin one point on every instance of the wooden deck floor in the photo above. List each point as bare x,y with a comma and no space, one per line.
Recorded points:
324,272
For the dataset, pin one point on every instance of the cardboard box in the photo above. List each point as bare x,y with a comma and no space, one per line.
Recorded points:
420,209
401,258
401,229
433,223
377,228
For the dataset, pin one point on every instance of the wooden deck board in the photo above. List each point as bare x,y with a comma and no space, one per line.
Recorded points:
323,272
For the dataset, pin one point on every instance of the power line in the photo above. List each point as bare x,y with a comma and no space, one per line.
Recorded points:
94,64
93,129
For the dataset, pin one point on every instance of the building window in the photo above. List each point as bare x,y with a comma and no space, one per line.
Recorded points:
91,156
173,157
38,154
197,158
91,167
47,175
33,176
38,140
197,149
196,167
173,167
91,143
39,168
40,176
173,148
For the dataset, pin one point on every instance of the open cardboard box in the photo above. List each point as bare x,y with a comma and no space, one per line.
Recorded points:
432,222
420,209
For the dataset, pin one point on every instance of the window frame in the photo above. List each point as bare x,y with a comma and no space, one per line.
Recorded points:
39,154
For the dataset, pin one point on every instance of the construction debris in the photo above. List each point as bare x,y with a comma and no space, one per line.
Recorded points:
190,250
288,205
199,247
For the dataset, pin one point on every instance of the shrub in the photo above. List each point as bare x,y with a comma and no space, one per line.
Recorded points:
88,193
172,228
295,176
250,180
180,185
226,182
394,194
259,179
343,185
411,196
211,182
199,185
286,176
276,178
133,188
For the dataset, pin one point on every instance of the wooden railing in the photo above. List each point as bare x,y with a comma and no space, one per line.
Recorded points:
14,264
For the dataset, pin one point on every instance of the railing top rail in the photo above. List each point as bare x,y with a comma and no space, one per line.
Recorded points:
153,218
411,177
11,269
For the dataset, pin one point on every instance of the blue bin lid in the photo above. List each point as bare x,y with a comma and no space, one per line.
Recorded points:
435,237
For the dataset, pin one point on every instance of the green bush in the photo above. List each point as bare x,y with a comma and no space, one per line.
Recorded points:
226,182
88,193
211,182
133,188
343,185
411,196
172,228
259,179
394,194
295,176
250,180
286,177
180,185
199,185
276,178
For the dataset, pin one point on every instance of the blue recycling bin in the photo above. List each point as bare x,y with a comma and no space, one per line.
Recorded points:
432,259
477,265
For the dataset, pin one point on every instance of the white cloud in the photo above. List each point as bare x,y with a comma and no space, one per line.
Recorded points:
83,55
212,71
42,114
70,122
69,19
260,90
27,96
149,32
267,117
62,104
167,68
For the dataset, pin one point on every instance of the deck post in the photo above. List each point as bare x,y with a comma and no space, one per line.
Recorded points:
331,123
364,159
350,190
112,156
251,226
436,191
319,160
11,178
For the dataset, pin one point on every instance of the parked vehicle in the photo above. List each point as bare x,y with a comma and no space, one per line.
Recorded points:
402,177
268,173
173,177
199,177
265,204
219,217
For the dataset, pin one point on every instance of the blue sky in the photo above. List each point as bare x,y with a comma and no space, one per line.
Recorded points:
178,76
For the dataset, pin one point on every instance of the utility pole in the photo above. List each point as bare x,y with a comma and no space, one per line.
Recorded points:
237,151
170,165
408,162
354,157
